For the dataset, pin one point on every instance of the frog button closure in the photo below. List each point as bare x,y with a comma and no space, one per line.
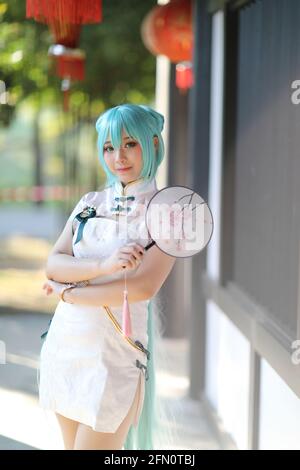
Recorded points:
124,198
120,207
138,343
142,366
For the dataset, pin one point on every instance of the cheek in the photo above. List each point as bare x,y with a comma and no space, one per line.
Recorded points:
141,162
107,160
138,158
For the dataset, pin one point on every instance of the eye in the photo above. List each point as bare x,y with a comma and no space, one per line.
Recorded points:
110,149
107,149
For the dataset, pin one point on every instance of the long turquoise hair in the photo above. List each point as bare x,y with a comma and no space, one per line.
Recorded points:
142,123
142,437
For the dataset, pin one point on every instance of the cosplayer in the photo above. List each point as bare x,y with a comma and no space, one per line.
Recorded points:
99,381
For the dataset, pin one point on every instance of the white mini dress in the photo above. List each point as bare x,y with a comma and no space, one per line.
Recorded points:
88,370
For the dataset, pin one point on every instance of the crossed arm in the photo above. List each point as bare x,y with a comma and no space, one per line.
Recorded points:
110,293
142,285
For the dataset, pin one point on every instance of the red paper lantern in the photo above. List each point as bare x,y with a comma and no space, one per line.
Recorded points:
65,18
167,30
66,34
70,67
184,76
69,62
69,59
65,11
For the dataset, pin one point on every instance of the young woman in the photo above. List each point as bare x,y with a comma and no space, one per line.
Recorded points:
100,383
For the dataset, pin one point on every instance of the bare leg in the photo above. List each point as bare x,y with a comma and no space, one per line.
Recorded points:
68,429
87,439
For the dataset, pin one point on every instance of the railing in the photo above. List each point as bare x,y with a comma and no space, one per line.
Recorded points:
40,193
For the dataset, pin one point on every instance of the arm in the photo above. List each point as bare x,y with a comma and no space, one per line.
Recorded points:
110,293
142,285
62,266
66,268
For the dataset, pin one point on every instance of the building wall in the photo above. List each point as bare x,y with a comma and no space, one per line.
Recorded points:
252,271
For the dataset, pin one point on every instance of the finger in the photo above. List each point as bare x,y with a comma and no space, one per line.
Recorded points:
133,262
137,253
135,246
126,263
132,250
140,250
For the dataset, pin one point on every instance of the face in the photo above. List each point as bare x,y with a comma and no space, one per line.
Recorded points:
127,157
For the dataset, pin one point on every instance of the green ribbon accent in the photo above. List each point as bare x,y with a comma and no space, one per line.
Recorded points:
83,217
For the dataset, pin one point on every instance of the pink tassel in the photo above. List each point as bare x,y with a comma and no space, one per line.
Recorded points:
127,330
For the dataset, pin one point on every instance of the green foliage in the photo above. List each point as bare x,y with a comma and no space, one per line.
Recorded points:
118,69
118,66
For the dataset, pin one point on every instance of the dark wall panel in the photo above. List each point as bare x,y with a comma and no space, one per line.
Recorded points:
266,210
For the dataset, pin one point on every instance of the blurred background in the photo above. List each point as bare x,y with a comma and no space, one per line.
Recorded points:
56,77
225,74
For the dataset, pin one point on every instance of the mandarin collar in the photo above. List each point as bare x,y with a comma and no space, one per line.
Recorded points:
134,188
124,199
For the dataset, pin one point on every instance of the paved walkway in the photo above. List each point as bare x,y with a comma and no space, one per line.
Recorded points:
24,315
24,425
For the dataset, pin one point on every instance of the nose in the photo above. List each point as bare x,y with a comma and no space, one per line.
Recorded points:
120,154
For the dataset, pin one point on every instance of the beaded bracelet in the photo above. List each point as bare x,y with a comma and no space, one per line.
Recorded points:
82,283
67,287
70,286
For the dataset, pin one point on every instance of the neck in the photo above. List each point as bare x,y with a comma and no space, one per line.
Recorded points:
125,184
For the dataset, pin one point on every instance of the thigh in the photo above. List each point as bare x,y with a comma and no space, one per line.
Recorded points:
68,429
86,438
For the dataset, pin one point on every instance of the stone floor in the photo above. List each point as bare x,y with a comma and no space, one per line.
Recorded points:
24,425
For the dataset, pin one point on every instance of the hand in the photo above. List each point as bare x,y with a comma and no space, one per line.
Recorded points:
128,258
53,286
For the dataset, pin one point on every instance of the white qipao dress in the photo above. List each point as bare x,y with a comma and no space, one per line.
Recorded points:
89,371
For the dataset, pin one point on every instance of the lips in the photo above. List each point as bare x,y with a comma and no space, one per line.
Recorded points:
124,169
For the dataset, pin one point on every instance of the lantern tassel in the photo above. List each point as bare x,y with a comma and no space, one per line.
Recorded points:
65,11
126,320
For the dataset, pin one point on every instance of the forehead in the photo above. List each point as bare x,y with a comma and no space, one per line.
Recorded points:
124,136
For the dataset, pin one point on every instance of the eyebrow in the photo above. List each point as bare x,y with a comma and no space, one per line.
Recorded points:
109,142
